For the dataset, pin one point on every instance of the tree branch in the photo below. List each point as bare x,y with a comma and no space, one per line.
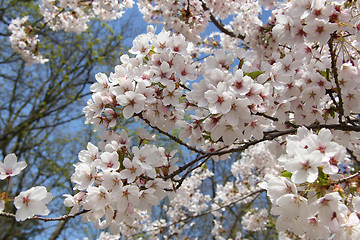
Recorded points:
335,75
220,26
61,218
268,136
175,139
342,180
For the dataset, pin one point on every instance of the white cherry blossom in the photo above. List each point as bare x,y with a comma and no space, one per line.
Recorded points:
32,202
10,167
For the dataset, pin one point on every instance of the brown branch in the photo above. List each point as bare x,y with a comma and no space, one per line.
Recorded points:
335,75
59,228
268,136
220,26
267,116
342,180
175,139
61,218
189,171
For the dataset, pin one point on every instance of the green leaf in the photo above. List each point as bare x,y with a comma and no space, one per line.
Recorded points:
254,75
286,174
326,74
322,177
241,63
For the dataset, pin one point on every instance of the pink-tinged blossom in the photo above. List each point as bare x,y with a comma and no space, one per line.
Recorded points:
171,98
255,128
227,132
140,45
216,76
328,206
295,87
109,161
162,74
124,139
186,72
319,30
25,43
283,28
128,194
220,60
32,202
149,156
293,210
254,93
219,99
102,83
286,67
133,103
162,41
159,185
108,236
197,95
90,155
97,198
10,167
97,104
178,44
350,229
316,229
84,176
74,201
356,203
143,135
111,180
304,166
241,84
331,151
239,112
277,187
255,220
147,199
132,170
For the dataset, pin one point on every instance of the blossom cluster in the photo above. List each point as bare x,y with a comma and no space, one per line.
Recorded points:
70,16
255,220
309,196
25,41
232,104
116,181
192,18
73,16
242,96
28,203
149,85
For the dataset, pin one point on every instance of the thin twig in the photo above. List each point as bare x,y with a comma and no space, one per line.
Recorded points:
220,26
171,136
342,180
61,218
268,136
335,75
